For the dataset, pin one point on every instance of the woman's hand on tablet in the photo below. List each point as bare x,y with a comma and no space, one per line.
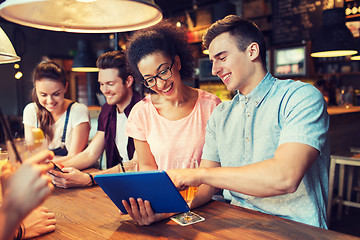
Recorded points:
142,213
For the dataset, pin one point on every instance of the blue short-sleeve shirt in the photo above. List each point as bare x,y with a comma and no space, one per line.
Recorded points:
248,129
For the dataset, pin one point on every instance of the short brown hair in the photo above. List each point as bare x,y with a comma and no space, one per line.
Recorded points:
244,31
114,59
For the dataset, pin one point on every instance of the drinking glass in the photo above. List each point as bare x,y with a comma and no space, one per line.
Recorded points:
4,157
131,166
190,192
25,149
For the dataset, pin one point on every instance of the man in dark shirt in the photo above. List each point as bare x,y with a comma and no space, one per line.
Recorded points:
116,83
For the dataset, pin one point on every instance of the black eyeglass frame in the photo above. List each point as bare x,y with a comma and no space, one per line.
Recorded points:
145,82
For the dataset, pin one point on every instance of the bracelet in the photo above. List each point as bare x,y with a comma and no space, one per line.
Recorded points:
92,179
23,233
19,233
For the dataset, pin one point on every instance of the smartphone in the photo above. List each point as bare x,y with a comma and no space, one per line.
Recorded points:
56,168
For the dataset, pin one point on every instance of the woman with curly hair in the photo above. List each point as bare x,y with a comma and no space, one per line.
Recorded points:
168,125
65,124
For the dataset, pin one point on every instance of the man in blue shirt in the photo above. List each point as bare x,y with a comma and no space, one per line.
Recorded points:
268,147
270,140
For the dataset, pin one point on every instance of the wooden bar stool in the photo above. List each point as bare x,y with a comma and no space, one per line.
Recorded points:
350,187
350,162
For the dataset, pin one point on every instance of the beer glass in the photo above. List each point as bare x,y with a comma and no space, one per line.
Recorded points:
4,157
190,192
24,148
131,166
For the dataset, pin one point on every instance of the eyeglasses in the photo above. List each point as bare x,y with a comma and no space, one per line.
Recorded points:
163,75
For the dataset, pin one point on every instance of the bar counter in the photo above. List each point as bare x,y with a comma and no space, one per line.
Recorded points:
88,213
334,110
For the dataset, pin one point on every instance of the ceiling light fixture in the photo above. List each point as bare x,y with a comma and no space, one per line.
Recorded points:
85,59
334,39
7,51
84,16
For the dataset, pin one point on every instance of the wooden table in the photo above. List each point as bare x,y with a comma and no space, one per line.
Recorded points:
88,213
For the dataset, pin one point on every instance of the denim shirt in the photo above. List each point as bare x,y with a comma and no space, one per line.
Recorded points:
249,129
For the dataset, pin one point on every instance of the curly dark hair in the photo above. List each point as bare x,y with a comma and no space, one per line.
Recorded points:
163,37
244,31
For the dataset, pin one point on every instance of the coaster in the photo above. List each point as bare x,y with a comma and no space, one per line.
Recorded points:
180,219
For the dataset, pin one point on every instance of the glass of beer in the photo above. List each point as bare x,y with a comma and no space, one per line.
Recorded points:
189,193
27,147
4,157
131,166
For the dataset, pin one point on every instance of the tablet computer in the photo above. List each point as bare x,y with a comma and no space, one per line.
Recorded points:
154,186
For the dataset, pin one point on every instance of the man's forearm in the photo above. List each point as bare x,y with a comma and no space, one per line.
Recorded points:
279,175
115,169
81,161
262,179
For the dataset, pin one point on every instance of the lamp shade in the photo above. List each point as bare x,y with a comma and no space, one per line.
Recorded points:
7,51
355,57
334,39
85,60
82,16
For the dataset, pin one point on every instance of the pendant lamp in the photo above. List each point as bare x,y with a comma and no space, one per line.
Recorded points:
82,16
7,51
355,57
334,39
85,59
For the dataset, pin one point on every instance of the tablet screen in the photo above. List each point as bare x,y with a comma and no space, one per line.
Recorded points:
154,186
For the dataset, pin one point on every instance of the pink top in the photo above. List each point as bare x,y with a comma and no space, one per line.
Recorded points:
170,141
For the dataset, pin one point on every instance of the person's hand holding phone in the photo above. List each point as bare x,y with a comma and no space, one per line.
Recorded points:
57,168
70,177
